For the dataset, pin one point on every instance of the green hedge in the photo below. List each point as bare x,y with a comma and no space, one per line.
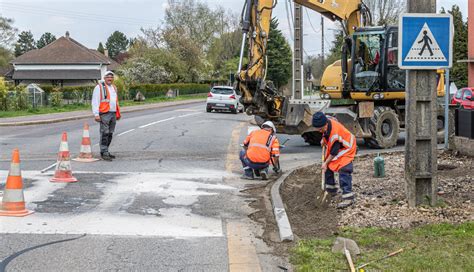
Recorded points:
157,90
71,92
84,93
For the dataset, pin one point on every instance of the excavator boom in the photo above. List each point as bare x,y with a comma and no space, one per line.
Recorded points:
259,97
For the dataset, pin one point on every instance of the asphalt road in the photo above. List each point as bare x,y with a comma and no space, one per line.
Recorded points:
171,201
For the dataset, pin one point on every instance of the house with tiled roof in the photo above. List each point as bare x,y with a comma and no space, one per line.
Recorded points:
64,62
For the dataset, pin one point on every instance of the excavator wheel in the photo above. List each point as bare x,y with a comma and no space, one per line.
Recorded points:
312,138
384,126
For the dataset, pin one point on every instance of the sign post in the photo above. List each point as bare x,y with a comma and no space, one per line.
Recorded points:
425,43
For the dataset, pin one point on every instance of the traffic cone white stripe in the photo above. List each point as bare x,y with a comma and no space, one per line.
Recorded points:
63,147
86,149
15,169
85,154
13,195
63,165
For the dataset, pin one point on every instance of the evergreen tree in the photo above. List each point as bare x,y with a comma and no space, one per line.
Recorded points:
116,43
25,43
279,56
101,48
458,72
45,39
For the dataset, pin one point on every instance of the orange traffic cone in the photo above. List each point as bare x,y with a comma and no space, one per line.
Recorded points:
13,202
86,148
63,171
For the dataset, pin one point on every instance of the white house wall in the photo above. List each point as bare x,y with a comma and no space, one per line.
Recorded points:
60,67
103,69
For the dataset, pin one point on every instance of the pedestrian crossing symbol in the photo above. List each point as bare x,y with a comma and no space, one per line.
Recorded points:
425,41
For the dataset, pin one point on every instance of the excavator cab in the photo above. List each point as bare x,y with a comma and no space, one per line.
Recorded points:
375,73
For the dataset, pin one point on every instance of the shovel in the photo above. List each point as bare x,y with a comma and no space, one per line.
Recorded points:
322,198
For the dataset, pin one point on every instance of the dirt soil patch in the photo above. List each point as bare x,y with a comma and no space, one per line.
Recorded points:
380,202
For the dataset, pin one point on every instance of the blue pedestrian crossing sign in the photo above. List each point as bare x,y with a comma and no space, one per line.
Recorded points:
426,41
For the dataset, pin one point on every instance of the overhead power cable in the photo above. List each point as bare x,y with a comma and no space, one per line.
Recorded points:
75,15
310,23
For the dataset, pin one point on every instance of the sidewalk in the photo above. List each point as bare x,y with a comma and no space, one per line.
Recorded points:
83,114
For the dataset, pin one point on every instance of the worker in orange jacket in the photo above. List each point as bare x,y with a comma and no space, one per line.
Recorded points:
261,147
106,110
340,151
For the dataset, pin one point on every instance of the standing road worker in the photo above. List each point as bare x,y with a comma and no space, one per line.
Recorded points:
106,111
340,149
261,148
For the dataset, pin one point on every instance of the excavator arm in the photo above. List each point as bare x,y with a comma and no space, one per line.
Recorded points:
259,97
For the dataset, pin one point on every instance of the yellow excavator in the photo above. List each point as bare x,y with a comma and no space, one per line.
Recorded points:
365,90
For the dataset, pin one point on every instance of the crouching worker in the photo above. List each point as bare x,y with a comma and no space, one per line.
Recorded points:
340,147
261,147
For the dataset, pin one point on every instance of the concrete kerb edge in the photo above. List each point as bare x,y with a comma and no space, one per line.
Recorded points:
79,117
281,217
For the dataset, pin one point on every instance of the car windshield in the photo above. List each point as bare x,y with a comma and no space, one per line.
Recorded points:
222,91
459,94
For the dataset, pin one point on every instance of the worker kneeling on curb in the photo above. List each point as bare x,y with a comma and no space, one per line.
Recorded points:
340,152
261,147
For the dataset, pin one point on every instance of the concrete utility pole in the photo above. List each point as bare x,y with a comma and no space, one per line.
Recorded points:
298,53
421,127
322,41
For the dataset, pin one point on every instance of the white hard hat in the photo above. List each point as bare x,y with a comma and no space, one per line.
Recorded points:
269,124
108,73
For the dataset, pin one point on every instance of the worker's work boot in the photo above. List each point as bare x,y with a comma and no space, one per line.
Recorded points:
245,176
345,203
106,156
248,174
112,156
331,194
264,173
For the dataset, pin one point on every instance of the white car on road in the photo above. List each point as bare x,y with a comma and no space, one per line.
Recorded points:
223,98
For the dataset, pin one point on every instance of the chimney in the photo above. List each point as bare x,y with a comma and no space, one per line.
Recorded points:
67,34
106,52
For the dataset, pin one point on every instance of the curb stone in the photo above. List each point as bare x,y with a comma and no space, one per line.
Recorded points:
283,223
84,116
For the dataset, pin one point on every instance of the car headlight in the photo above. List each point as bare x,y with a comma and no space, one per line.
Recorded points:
326,96
376,96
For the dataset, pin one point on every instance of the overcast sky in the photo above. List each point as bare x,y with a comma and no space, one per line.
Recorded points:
92,21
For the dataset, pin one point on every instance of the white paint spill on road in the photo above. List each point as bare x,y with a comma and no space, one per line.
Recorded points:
180,192
157,122
125,132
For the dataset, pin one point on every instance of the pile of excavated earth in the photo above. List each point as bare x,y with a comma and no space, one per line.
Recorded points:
381,202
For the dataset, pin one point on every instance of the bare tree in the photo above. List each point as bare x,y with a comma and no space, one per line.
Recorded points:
7,31
385,12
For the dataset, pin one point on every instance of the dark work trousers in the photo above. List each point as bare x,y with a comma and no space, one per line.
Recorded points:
107,128
249,166
345,181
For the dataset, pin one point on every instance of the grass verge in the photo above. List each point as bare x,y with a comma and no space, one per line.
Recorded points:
440,247
78,107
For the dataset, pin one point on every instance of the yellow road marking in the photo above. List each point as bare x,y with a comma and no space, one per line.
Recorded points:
242,254
232,163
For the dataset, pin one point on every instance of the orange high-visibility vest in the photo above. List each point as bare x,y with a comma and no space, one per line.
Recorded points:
348,149
104,105
262,144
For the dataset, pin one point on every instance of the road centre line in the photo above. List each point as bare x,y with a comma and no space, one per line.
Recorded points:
189,114
128,131
160,121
